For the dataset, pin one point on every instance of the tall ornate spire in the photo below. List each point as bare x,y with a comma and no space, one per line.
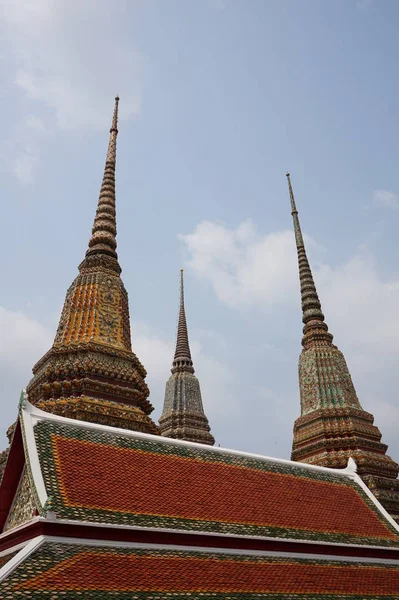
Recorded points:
312,316
182,360
183,414
91,373
333,425
103,239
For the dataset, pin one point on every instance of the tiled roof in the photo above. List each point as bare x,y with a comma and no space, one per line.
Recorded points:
4,558
60,570
93,474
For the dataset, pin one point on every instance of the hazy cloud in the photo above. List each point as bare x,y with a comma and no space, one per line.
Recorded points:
248,269
68,64
23,165
386,198
25,340
243,267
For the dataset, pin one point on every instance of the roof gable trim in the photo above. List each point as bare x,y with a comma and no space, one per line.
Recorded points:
14,562
36,415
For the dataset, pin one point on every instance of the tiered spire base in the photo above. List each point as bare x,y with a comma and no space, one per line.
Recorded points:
91,373
183,416
333,425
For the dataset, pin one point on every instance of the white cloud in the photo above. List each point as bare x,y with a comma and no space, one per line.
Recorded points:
246,269
36,124
386,198
24,341
23,165
214,375
243,267
20,152
69,63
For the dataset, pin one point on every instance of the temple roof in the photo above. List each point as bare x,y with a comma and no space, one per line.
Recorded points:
58,569
84,472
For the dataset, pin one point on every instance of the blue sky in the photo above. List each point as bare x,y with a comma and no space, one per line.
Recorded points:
219,98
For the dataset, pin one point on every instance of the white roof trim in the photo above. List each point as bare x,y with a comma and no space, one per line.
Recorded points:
27,415
210,534
37,415
231,551
14,548
215,534
382,510
32,415
14,562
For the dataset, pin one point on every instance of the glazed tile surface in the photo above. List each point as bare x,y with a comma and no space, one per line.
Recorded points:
97,476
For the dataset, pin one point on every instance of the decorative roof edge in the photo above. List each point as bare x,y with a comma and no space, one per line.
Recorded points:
40,540
16,560
32,415
371,496
26,411
51,517
15,548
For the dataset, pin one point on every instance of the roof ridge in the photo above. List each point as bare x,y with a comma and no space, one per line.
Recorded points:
36,414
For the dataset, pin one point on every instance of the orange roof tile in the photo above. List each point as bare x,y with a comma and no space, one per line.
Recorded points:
98,476
72,569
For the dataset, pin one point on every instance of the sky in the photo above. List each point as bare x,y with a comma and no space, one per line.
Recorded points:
218,99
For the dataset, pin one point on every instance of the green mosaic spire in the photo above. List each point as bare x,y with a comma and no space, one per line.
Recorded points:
312,316
333,425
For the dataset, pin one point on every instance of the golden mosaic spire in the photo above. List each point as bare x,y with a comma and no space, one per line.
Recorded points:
103,239
333,425
91,373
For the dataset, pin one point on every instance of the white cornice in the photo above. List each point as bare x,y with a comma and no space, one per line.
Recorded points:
14,562
206,550
27,415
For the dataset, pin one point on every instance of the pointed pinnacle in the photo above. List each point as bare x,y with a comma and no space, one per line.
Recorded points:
111,154
312,315
182,360
103,239
294,212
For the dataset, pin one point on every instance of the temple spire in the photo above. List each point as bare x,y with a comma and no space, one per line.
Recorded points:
91,373
183,415
312,315
103,239
182,359
333,426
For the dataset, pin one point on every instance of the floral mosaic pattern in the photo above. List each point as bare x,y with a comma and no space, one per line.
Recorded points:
23,507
